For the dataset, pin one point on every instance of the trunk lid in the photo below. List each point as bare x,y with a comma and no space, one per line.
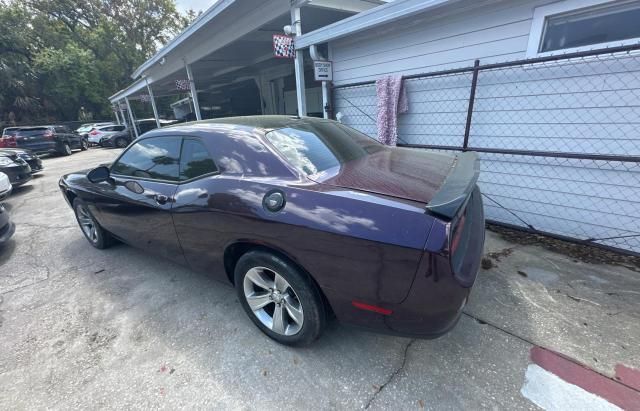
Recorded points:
410,174
35,138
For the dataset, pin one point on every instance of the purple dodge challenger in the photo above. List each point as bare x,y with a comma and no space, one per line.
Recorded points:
306,217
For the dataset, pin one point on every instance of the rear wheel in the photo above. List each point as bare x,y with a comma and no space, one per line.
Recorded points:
280,299
121,142
92,231
66,149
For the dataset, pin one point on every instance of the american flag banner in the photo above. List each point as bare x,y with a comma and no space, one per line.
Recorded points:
182,85
283,46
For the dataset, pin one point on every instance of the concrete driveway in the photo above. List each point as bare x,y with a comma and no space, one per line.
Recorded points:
83,328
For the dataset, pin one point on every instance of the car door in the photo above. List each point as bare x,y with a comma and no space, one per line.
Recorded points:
136,205
64,134
201,230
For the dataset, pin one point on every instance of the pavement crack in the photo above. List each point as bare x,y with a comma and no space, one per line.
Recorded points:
393,375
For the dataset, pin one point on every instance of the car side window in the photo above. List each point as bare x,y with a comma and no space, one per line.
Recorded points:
155,158
59,129
118,128
195,160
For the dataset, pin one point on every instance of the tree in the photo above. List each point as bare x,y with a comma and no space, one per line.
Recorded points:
72,53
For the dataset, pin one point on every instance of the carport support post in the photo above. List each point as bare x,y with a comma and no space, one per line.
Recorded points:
299,64
153,104
194,92
124,119
133,122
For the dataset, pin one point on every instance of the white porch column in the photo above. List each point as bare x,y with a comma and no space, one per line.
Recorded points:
115,113
299,64
194,92
124,119
133,122
153,104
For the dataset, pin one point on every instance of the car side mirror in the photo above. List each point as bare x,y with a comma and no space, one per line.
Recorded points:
99,174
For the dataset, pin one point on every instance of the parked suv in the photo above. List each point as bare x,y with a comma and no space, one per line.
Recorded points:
84,129
50,139
101,132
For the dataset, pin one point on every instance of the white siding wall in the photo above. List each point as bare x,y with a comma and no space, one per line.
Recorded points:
583,106
493,33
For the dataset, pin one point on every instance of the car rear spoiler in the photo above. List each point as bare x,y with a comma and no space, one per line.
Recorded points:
457,186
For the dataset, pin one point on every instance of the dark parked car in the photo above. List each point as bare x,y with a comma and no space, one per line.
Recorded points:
50,139
14,167
304,216
27,155
119,140
7,228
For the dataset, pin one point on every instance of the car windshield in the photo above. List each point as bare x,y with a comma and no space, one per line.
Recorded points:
84,128
316,147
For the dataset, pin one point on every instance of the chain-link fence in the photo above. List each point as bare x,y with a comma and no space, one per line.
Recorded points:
558,138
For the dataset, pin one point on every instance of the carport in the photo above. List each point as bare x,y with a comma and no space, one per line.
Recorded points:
216,69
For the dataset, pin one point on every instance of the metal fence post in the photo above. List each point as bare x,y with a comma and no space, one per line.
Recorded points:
472,97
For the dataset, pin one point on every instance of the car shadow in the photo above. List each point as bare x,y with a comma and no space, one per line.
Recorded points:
23,189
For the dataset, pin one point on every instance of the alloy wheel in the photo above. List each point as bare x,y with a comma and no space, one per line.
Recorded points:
121,143
273,301
87,224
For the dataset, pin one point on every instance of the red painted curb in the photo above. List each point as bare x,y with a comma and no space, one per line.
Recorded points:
624,396
628,376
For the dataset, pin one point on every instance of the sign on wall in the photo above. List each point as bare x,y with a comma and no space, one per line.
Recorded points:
283,47
323,70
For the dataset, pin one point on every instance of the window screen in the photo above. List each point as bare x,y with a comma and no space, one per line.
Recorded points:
195,160
155,158
593,26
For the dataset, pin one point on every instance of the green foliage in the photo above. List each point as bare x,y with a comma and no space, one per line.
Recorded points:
58,56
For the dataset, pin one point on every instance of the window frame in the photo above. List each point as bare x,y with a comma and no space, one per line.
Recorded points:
540,15
157,180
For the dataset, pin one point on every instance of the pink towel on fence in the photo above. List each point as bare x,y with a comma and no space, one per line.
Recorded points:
392,100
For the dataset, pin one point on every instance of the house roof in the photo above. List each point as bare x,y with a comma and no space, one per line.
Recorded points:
389,12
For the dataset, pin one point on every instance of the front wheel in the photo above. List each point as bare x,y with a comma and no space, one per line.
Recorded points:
92,231
84,144
121,142
280,299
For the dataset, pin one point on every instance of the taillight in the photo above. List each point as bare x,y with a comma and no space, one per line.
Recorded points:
8,141
94,132
48,135
457,235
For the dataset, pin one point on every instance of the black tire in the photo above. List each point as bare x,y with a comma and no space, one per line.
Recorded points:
301,286
121,142
84,144
102,238
66,150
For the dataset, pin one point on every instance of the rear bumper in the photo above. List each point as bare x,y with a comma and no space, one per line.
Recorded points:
432,308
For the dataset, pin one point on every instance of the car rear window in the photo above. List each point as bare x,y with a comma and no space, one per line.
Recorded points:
195,160
10,131
316,147
35,131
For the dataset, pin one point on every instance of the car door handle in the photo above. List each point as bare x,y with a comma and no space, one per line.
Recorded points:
161,199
